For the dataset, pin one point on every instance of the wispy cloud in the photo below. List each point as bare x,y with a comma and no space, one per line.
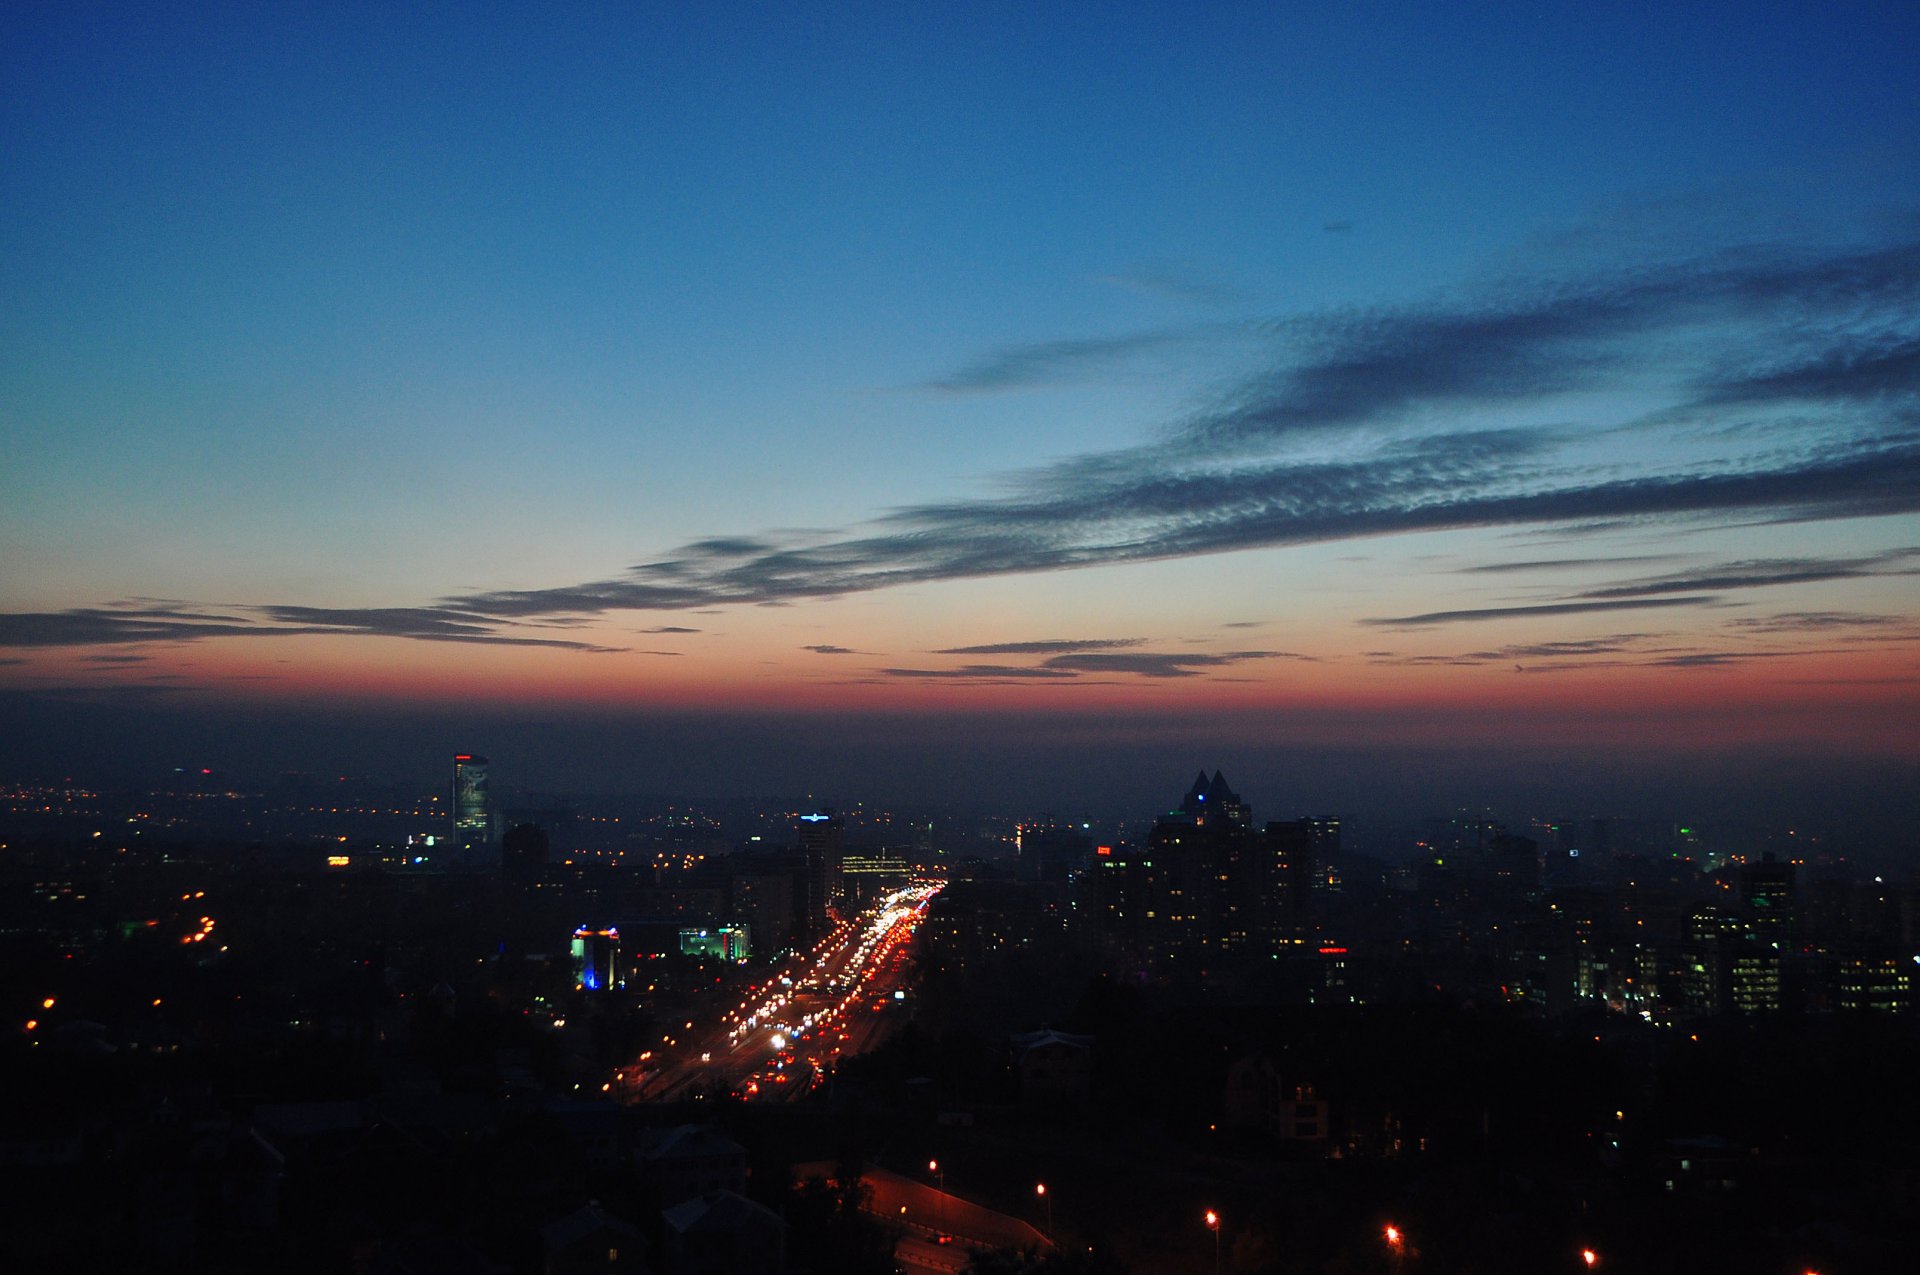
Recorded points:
1073,664
426,624
1615,650
1534,339
1718,659
1045,646
1576,648
1428,485
977,672
1766,573
1753,638
823,648
1816,622
1056,362
1546,608
1156,664
101,626
1567,564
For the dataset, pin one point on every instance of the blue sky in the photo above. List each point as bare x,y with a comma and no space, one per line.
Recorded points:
461,315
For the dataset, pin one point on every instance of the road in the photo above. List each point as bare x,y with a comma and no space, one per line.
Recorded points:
938,1230
926,1212
840,998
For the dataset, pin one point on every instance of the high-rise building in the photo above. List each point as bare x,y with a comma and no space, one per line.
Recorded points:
767,894
1766,892
1213,801
1289,855
822,845
472,815
1195,886
1049,850
1205,883
596,960
1877,982
1705,962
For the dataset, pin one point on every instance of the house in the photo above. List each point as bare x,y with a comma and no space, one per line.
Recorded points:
590,1239
1256,1098
690,1160
1052,1066
723,1233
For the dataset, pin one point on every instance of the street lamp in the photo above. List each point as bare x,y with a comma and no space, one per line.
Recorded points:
933,1167
1213,1224
1590,1258
1040,1189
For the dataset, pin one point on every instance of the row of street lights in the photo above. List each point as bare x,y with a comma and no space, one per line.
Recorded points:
1395,1237
1397,1242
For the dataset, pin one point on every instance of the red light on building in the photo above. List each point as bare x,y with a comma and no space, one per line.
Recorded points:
1104,851
1333,951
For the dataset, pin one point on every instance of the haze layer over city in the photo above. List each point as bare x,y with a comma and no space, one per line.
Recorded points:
585,594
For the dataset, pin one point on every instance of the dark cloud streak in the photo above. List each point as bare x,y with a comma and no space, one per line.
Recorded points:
1765,573
1474,614
1043,647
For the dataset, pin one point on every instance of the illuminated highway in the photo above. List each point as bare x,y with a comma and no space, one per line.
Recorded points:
837,999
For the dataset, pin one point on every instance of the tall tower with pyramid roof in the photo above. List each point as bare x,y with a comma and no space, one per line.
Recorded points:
1214,801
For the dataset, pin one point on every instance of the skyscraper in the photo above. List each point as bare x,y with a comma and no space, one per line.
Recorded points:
472,816
1194,886
1766,893
1213,801
822,845
1205,883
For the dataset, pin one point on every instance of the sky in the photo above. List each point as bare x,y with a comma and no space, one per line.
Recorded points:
1485,402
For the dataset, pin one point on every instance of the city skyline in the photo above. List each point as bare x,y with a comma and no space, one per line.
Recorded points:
915,398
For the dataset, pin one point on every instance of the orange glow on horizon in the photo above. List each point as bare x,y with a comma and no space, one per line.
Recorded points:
1860,696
